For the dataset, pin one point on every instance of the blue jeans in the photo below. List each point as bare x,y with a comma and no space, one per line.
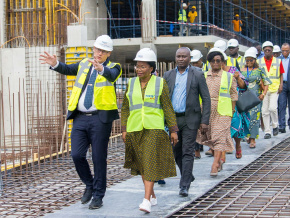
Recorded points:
284,96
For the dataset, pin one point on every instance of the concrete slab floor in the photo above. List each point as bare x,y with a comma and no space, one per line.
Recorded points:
122,200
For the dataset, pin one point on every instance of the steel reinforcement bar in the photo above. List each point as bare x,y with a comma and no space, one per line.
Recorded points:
261,189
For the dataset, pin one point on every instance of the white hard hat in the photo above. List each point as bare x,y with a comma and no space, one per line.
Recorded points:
277,48
184,5
218,50
146,54
250,53
253,49
104,42
221,44
233,43
267,44
195,55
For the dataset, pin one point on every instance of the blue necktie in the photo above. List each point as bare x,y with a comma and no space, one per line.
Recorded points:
90,90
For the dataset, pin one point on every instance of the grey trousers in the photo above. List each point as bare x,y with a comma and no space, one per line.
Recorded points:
184,152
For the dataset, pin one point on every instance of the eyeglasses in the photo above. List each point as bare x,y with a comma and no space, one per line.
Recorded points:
252,60
140,68
267,50
97,50
216,61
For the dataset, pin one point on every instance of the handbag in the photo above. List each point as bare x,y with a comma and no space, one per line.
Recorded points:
247,100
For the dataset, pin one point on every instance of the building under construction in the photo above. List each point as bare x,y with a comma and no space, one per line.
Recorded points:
35,136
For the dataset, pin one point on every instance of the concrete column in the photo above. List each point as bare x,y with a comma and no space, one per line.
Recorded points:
97,9
149,27
2,19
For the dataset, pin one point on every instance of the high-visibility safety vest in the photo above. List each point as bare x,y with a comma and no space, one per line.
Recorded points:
236,62
273,73
146,113
182,16
206,67
104,91
225,101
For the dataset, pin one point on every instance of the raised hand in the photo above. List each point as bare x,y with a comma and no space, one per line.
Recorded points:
48,59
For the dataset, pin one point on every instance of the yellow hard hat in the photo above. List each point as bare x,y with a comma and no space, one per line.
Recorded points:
237,15
193,7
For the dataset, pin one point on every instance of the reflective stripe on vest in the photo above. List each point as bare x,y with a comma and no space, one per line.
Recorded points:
182,16
224,101
234,61
273,74
146,113
104,91
206,67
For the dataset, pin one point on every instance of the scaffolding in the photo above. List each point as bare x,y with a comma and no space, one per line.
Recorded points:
262,20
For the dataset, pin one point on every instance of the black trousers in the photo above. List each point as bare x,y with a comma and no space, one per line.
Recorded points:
184,152
89,130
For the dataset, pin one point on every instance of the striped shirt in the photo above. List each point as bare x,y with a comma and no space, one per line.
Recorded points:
179,92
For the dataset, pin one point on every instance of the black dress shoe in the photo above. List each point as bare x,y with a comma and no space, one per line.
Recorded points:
267,136
183,192
96,203
275,131
283,130
87,196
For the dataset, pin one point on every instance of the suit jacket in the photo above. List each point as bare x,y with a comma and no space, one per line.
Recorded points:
109,74
196,86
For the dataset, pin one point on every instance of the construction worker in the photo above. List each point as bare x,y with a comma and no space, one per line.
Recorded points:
277,51
220,44
274,70
93,107
237,23
192,16
182,18
234,58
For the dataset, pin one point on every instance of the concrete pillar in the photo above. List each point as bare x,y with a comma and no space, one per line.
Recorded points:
149,27
97,9
2,19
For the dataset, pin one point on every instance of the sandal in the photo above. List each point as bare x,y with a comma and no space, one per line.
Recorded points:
253,145
222,161
239,153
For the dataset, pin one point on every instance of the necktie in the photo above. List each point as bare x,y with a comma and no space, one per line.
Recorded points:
90,90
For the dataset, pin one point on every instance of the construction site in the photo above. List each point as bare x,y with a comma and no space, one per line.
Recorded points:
37,174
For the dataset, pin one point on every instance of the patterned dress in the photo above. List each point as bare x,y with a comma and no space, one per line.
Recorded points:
149,151
240,121
219,135
254,80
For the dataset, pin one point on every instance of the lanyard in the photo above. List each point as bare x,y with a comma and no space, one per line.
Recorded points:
249,73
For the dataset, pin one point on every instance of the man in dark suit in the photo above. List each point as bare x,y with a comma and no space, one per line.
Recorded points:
186,84
93,107
284,96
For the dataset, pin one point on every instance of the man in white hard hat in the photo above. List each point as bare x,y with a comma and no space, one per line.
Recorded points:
284,96
186,84
93,106
276,51
196,59
274,69
234,58
182,18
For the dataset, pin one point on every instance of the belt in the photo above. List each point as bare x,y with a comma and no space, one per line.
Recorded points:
180,114
88,113
284,81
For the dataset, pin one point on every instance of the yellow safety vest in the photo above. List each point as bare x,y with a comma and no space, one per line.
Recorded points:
206,67
104,91
146,113
182,16
273,74
233,62
224,101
